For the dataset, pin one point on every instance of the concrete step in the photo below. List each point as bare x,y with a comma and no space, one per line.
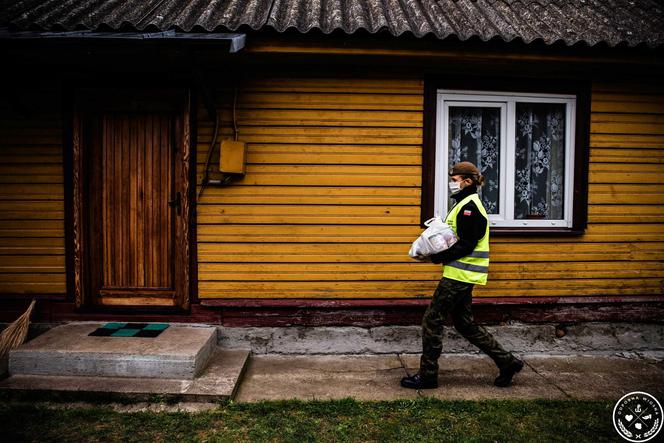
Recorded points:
178,352
219,381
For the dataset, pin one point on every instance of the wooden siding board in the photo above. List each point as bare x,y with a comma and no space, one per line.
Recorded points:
397,271
351,154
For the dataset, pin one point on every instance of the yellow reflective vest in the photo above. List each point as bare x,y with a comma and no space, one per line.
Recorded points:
473,268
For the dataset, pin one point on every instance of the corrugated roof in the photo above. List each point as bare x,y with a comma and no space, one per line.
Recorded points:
590,21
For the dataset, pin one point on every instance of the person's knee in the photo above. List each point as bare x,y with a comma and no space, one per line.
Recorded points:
431,320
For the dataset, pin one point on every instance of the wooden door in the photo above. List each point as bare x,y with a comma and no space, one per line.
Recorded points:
134,183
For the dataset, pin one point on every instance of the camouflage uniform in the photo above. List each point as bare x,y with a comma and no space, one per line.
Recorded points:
455,297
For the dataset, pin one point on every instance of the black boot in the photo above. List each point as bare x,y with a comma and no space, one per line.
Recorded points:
418,382
507,373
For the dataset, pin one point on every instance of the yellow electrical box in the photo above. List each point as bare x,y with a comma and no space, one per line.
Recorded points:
233,157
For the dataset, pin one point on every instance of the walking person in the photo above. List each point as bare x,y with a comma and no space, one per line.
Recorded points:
465,264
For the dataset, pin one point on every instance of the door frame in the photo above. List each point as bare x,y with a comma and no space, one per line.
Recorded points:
79,267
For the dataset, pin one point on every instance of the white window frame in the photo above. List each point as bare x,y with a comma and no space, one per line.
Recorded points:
506,101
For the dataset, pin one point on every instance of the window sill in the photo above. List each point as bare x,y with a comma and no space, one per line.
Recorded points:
503,231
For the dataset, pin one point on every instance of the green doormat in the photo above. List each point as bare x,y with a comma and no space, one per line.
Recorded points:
130,330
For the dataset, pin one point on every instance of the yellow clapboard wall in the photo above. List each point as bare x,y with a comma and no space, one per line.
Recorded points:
331,199
32,231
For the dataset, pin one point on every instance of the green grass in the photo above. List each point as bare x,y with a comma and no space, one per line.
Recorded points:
421,420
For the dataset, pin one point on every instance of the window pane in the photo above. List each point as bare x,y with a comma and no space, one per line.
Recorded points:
540,161
474,136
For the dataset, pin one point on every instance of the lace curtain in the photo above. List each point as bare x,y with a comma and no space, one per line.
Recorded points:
540,161
474,136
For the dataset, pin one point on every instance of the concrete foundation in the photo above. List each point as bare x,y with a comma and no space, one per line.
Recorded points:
180,352
582,338
585,361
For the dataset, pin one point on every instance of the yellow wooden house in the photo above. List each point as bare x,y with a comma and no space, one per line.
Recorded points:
116,119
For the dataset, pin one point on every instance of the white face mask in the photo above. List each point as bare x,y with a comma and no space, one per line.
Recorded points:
455,187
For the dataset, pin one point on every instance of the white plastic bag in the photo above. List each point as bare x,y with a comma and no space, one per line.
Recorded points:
437,237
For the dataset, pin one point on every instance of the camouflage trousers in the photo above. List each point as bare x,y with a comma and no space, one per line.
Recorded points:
455,297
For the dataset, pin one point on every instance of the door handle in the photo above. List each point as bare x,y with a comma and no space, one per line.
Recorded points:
176,202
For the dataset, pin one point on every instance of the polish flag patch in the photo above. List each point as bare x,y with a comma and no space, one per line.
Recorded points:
467,212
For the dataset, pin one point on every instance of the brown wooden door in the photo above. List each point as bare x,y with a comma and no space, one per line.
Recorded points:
135,178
